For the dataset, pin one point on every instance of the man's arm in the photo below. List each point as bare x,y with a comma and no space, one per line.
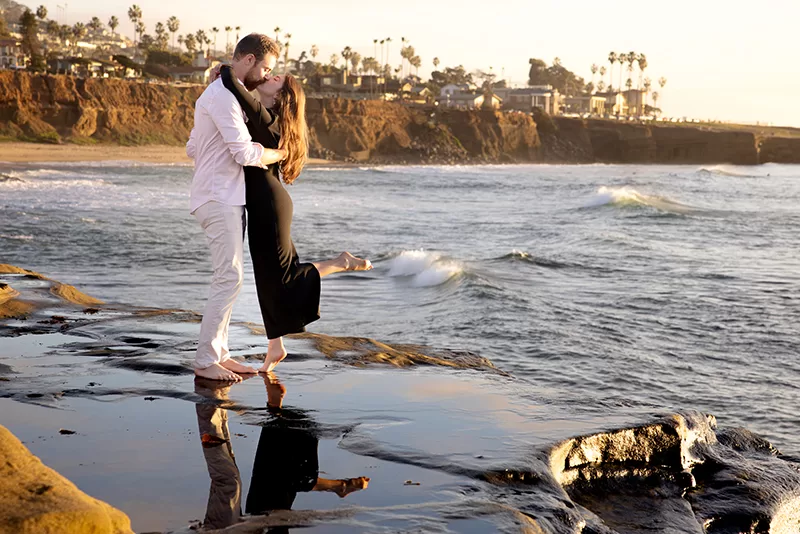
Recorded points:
191,147
226,114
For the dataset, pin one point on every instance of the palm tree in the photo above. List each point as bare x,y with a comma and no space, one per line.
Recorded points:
642,61
355,60
135,15
65,33
52,29
237,33
347,53
161,35
661,83
601,85
314,51
288,37
334,60
620,59
436,63
41,12
190,43
215,31
140,28
655,101
415,62
612,58
602,75
594,70
403,55
388,45
277,30
200,36
78,31
375,44
113,22
228,40
628,85
647,85
173,25
95,25
180,42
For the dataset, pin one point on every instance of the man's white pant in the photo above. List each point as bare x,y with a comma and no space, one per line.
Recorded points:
224,228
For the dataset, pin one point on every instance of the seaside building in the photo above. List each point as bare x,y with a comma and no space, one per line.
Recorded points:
545,97
582,105
11,54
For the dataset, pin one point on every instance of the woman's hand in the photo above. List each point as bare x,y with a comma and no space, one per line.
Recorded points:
214,74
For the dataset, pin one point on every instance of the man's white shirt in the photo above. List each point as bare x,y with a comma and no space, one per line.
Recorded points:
220,146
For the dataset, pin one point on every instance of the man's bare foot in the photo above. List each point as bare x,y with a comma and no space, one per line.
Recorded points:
350,485
351,263
217,372
276,353
232,365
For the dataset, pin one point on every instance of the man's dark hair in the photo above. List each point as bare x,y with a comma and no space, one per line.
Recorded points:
257,44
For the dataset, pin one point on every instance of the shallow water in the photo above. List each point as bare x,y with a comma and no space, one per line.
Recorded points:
652,286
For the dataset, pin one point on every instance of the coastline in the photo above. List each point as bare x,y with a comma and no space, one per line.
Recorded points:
21,152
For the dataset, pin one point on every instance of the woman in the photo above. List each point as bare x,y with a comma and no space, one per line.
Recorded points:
288,291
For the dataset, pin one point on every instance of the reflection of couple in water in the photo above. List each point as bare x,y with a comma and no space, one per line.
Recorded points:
243,148
274,484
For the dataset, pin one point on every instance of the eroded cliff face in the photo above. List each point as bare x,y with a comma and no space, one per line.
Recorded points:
59,108
47,108
619,142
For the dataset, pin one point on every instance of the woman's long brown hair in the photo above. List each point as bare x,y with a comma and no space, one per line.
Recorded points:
290,105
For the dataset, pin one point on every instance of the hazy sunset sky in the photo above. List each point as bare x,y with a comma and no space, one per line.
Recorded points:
723,60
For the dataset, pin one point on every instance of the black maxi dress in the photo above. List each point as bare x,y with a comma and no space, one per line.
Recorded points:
288,291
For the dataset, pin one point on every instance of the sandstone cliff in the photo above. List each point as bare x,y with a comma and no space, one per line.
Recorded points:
61,108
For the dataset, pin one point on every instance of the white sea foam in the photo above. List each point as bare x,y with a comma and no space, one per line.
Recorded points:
627,196
424,269
17,237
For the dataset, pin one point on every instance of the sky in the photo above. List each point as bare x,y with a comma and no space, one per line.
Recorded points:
723,60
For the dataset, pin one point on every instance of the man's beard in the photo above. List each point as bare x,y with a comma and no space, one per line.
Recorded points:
251,82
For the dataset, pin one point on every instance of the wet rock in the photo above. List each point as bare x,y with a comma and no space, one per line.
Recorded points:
34,499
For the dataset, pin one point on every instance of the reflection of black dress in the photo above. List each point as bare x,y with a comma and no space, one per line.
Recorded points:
286,463
288,291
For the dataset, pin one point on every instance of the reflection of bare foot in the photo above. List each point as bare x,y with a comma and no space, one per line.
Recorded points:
351,263
232,365
275,391
217,372
276,353
350,485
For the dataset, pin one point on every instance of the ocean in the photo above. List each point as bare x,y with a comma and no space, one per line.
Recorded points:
661,287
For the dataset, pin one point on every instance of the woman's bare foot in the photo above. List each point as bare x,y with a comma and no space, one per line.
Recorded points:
217,372
276,353
232,365
351,263
350,485
275,391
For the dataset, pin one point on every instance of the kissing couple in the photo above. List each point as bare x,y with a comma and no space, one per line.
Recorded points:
245,148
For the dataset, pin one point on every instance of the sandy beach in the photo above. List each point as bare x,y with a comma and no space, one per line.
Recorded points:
46,153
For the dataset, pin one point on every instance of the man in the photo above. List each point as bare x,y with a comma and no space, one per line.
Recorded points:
221,145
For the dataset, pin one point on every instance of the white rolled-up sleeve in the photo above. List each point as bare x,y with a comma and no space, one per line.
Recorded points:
191,146
227,116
